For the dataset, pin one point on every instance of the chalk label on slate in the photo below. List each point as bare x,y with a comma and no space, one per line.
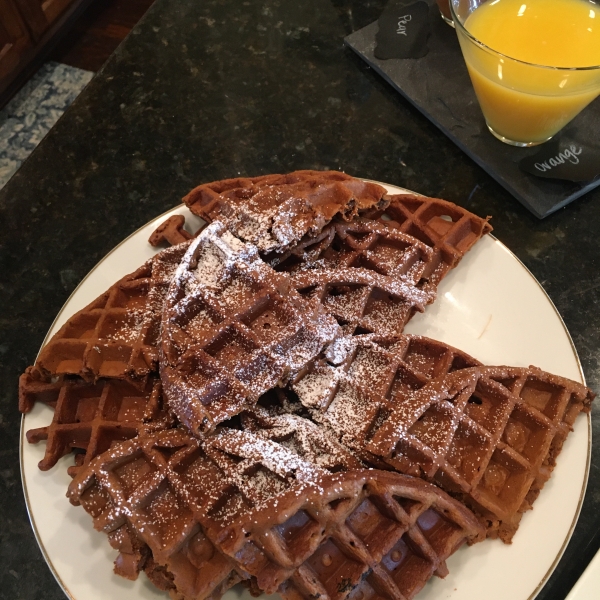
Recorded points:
571,154
403,31
402,22
563,159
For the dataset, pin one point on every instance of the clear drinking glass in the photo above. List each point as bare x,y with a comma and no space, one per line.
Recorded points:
444,6
523,104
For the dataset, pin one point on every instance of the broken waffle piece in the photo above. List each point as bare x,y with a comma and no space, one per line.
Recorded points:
274,212
488,435
170,231
159,495
116,335
90,417
129,490
374,275
360,534
256,509
450,230
368,276
232,329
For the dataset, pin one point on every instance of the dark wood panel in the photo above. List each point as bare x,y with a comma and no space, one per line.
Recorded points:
34,17
14,38
84,35
54,8
31,53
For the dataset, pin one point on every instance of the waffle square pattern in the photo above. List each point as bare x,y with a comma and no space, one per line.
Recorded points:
116,335
489,435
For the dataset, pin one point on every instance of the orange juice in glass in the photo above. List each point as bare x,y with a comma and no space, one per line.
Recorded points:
534,64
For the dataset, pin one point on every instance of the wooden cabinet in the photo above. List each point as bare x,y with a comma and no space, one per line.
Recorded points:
40,14
52,9
14,38
29,29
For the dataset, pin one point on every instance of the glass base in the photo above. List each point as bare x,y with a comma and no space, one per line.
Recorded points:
513,143
449,21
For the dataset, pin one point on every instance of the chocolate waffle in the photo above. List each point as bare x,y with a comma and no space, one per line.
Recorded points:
232,329
274,212
90,417
130,497
162,492
488,435
116,335
368,276
260,510
448,229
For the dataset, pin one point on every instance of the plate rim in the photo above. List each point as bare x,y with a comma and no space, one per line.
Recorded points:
551,568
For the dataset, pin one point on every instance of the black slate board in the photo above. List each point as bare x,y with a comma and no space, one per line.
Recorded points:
439,86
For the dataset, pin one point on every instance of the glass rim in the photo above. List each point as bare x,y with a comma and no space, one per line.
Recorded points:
472,38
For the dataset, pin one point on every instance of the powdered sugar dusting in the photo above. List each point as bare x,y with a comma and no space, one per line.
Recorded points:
313,443
338,350
261,329
317,387
262,470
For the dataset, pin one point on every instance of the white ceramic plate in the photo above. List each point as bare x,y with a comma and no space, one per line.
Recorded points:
490,306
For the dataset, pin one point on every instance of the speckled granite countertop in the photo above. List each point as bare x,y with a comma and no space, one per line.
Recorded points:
207,90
